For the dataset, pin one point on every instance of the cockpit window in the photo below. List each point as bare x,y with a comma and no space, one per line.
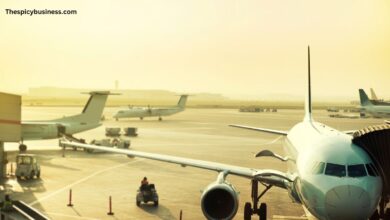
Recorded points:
318,168
335,170
356,170
371,169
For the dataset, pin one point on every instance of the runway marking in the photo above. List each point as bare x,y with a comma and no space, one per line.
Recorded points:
81,180
289,217
70,216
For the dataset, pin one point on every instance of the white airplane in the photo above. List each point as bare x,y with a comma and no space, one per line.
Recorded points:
376,110
51,129
373,95
376,101
329,175
141,112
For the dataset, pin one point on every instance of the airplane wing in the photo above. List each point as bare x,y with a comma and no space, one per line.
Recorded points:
268,176
272,131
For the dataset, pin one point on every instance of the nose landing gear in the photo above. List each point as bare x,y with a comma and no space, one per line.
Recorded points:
383,212
260,211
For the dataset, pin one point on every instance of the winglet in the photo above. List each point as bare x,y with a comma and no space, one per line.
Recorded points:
308,107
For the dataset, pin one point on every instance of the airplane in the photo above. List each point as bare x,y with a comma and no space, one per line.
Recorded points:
88,119
367,106
328,174
373,95
141,112
376,101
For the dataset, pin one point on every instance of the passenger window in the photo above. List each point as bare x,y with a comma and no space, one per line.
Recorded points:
335,170
356,170
318,168
371,170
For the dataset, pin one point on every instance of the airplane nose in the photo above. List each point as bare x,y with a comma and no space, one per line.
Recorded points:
347,202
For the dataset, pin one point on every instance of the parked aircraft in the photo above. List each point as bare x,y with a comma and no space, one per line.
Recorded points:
376,101
51,129
373,95
141,112
328,174
377,111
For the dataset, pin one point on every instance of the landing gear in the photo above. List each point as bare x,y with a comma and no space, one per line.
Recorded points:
375,216
141,118
247,211
383,213
262,210
159,118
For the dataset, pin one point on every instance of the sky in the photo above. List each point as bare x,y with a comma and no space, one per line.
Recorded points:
238,48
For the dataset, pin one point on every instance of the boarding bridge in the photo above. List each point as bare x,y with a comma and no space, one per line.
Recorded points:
10,131
375,140
10,125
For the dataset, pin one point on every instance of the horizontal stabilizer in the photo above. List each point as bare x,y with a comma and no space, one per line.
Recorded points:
272,131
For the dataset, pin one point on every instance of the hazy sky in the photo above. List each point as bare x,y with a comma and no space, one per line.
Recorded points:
233,47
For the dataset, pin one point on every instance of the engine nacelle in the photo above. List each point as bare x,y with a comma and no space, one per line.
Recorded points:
219,201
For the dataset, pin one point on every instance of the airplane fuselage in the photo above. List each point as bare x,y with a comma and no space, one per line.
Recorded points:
377,111
332,177
147,112
51,130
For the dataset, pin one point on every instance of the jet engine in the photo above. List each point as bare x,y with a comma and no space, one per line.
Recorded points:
219,201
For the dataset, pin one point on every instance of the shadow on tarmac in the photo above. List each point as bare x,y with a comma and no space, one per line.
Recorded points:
161,211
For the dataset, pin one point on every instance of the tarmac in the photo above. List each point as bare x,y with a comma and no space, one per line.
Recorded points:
195,133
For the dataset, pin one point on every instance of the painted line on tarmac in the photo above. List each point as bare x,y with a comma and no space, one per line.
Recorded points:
289,217
70,216
82,180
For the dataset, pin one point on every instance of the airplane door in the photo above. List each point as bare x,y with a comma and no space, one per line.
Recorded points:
61,130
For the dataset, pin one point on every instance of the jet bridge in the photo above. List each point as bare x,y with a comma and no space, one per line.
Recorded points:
10,125
375,140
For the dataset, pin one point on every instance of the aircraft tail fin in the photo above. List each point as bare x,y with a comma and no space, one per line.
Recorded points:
92,111
308,107
373,95
182,101
364,100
